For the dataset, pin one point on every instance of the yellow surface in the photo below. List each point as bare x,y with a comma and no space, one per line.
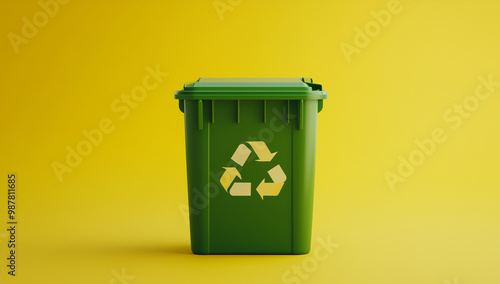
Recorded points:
118,216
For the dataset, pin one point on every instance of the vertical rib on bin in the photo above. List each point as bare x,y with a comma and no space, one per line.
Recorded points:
197,155
303,155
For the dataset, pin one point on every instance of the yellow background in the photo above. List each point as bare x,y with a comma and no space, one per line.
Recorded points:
121,207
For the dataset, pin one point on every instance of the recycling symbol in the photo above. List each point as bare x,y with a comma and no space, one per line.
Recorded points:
240,156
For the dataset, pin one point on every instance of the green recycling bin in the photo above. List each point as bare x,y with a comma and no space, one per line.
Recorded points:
250,148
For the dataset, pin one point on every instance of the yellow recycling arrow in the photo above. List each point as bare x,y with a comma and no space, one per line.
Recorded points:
272,189
241,154
269,189
228,176
241,189
260,148
277,174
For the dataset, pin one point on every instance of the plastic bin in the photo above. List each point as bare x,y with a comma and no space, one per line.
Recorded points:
250,148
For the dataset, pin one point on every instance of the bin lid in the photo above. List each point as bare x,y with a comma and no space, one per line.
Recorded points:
252,89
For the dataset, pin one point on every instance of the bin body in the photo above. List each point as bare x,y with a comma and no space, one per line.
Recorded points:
250,148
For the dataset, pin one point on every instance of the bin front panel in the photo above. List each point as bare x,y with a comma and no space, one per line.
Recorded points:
255,221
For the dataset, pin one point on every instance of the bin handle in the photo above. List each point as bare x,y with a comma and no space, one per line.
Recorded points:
181,105
320,105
